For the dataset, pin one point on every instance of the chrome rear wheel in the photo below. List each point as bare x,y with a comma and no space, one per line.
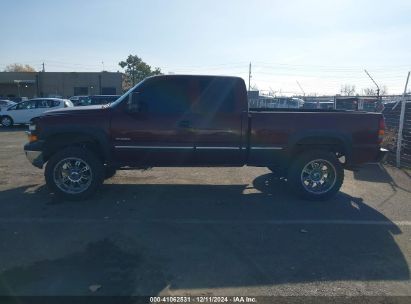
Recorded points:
318,176
315,175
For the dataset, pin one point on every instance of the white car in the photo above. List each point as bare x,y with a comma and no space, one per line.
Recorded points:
5,103
22,112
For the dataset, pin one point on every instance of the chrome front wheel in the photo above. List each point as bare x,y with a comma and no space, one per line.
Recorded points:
73,175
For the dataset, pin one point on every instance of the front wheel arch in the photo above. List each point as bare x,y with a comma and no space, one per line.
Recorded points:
57,142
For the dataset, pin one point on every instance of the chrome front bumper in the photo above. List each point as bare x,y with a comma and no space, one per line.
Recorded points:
35,157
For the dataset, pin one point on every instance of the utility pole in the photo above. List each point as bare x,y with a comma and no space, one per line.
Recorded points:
249,78
300,88
43,70
378,88
401,126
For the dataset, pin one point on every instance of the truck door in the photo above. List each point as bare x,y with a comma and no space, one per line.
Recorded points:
217,121
159,132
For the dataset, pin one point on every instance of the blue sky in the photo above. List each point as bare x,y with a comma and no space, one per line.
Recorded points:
322,44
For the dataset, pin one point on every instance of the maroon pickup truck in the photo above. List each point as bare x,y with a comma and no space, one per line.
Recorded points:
179,120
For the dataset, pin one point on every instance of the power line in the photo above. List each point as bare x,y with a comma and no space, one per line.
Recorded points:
328,66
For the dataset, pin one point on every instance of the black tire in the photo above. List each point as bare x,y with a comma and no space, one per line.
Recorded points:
94,166
7,121
276,171
109,172
334,176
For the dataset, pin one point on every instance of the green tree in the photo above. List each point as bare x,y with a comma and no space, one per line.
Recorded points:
135,70
17,67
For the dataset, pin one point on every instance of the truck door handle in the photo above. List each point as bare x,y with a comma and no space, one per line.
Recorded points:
184,124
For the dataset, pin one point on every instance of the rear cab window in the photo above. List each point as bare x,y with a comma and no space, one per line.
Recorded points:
216,95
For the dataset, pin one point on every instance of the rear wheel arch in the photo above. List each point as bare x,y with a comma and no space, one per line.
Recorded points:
336,144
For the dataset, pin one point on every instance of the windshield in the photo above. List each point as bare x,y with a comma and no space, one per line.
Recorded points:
125,95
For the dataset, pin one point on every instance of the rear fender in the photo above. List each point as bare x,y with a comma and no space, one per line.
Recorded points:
320,139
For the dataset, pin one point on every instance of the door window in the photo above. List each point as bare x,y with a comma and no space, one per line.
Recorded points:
200,95
166,96
26,105
41,104
54,103
47,103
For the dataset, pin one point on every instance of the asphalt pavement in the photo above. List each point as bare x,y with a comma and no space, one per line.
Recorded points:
202,231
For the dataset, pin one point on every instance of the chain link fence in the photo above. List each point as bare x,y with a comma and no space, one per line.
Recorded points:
392,112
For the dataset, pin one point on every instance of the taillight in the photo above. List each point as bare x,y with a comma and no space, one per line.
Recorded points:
381,130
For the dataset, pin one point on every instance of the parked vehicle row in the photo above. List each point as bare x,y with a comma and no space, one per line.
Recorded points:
318,105
23,112
93,100
20,113
263,102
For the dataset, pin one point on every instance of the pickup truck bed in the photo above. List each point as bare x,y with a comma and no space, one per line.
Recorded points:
354,133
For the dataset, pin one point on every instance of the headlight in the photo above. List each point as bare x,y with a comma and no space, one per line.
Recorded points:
32,127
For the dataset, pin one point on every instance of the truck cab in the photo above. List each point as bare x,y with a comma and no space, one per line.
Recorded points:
183,120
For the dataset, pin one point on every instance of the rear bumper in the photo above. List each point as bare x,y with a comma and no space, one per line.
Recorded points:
377,156
34,153
382,155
